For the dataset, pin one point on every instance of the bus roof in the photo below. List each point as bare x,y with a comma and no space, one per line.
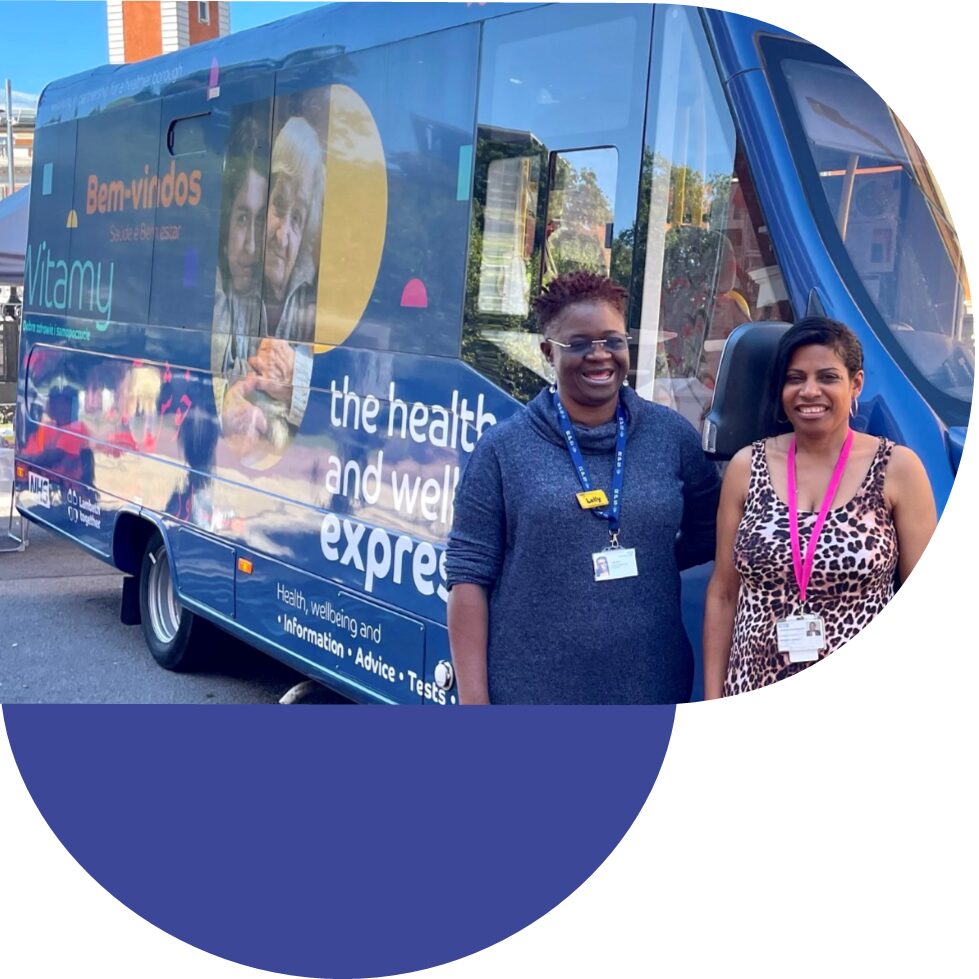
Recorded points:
329,30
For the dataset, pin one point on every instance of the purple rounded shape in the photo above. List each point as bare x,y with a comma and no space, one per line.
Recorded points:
339,841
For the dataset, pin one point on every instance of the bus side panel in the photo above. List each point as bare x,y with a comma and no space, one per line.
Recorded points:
381,446
49,231
331,632
205,570
355,496
53,217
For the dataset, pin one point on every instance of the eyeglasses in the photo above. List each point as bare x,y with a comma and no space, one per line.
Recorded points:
581,348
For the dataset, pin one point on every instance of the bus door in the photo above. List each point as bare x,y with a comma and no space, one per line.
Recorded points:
211,139
706,260
709,264
557,165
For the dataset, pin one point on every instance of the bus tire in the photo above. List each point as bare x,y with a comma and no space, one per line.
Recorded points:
167,626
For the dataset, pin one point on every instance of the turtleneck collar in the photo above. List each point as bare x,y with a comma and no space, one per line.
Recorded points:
597,440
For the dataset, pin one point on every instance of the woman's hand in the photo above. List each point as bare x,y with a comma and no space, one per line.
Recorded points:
274,363
239,417
468,620
725,582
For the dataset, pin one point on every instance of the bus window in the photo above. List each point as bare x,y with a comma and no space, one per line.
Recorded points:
709,264
241,236
294,217
115,176
395,124
188,136
366,178
200,156
268,246
577,224
556,171
871,181
181,196
563,72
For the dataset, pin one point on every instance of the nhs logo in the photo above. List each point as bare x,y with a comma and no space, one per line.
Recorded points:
40,486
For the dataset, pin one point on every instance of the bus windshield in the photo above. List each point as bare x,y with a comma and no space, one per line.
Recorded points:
893,223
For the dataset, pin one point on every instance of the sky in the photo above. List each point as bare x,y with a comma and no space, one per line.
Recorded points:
49,39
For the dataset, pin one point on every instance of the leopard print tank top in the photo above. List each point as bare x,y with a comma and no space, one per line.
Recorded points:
852,575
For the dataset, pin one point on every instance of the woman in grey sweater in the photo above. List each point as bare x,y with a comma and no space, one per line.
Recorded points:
572,522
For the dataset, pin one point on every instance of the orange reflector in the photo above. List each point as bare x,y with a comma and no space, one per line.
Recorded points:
21,471
244,565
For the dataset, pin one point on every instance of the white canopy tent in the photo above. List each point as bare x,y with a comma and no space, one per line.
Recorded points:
14,211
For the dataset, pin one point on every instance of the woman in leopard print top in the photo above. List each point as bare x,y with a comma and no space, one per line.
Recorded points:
880,518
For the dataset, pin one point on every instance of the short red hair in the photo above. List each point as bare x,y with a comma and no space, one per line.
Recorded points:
582,286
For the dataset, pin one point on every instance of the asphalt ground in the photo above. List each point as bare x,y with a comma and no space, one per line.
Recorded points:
62,641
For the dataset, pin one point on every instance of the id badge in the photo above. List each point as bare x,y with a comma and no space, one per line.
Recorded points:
619,562
803,637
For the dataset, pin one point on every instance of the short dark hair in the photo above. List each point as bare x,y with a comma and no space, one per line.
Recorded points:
582,286
814,331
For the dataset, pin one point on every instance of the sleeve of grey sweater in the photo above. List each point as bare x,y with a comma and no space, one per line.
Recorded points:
478,538
701,491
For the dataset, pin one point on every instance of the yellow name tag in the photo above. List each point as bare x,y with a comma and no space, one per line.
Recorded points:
589,499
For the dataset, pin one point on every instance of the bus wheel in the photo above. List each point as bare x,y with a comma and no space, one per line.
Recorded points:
167,625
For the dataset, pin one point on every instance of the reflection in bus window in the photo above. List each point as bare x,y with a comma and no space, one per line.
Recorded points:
508,235
710,266
580,207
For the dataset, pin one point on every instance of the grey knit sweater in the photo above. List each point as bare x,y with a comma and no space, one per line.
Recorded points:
555,634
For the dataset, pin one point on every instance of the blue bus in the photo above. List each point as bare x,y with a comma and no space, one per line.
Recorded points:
278,285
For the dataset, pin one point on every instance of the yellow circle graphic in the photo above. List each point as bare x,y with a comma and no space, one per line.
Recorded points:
260,417
355,205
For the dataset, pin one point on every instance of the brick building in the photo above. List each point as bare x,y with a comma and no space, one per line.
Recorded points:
141,29
138,29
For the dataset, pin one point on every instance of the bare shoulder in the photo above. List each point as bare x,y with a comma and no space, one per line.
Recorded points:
740,464
904,464
738,474
742,458
906,478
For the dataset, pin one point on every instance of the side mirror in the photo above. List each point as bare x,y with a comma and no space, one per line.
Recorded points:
740,412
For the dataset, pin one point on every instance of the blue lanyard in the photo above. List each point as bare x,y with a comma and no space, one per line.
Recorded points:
611,514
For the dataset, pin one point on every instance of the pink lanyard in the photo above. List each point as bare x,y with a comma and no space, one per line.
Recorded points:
803,570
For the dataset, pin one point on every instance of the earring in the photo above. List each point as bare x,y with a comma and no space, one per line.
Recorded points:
781,421
854,408
550,377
